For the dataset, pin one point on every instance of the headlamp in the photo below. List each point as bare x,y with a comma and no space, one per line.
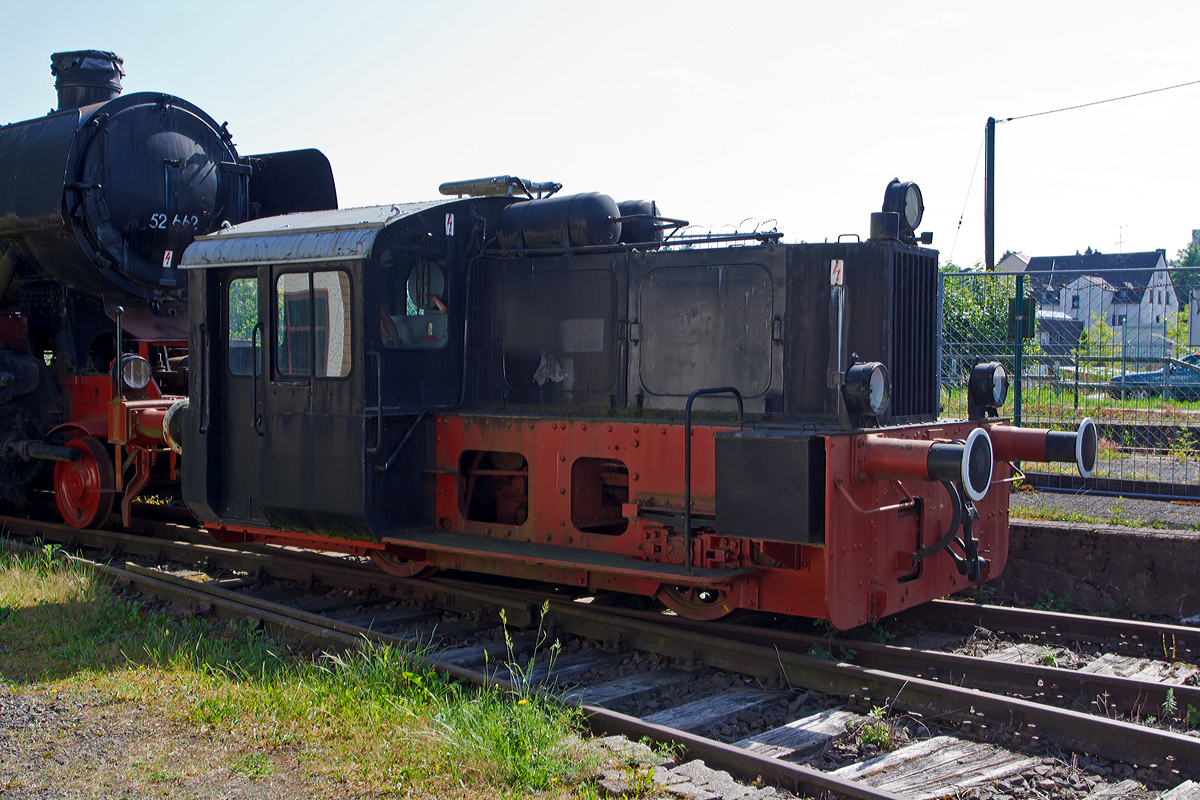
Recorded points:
867,389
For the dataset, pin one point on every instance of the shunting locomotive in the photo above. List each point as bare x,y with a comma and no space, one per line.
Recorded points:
569,389
98,200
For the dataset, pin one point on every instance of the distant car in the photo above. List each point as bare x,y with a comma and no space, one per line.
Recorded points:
1180,378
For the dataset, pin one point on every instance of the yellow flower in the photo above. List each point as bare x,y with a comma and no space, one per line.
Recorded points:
554,780
522,701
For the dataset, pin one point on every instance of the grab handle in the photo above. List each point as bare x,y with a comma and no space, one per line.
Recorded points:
255,355
378,404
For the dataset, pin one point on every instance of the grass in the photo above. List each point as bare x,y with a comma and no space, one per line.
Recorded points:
1117,516
368,721
1049,400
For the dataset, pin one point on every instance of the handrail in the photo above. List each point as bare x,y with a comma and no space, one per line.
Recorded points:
205,400
254,415
378,404
687,463
839,482
1020,476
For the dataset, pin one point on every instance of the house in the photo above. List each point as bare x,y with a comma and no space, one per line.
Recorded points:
1131,293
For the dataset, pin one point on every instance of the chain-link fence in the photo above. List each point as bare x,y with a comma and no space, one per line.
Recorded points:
1118,344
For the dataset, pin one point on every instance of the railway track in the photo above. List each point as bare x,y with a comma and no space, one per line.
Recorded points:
747,698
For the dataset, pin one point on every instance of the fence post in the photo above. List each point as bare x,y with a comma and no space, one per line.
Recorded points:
1019,318
1076,374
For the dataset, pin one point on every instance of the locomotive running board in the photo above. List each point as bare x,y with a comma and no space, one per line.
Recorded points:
570,557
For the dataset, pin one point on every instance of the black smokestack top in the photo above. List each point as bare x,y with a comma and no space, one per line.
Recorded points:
84,77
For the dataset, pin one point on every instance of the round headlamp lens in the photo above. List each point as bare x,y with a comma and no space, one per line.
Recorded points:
999,385
878,397
135,372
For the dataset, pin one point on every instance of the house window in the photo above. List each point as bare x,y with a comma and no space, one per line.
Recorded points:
1121,319
1157,318
1074,301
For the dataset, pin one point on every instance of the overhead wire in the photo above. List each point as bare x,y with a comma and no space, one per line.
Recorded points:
1097,102
967,199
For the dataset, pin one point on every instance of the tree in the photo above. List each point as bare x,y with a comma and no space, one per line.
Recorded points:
975,306
1098,340
1177,328
1185,274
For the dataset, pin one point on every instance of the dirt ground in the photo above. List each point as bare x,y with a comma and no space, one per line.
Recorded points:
77,747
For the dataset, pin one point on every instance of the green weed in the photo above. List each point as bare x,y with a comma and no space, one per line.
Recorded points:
826,651
876,729
1048,602
1182,448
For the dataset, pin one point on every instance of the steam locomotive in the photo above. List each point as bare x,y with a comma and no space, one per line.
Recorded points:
98,200
567,389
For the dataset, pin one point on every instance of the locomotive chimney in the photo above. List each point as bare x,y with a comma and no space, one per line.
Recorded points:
85,77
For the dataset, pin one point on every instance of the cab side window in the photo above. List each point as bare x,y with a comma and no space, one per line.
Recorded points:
312,324
242,305
412,302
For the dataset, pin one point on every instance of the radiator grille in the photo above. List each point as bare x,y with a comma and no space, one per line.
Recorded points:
916,321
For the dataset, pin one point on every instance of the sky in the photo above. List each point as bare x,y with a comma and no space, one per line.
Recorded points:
788,114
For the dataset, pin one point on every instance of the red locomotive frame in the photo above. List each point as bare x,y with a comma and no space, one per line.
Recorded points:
856,576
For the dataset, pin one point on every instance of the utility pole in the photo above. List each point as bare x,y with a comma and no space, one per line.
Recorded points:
989,196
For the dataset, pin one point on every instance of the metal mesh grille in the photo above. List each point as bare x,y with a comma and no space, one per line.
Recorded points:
915,362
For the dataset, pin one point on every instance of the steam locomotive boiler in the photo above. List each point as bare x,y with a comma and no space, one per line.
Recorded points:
563,388
98,200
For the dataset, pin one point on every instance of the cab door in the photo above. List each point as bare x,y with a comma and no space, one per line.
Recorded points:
221,443
239,363
310,450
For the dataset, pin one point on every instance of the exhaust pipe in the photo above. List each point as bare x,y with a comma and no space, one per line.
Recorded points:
968,463
1040,444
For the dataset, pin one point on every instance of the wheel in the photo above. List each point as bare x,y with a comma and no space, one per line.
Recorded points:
696,603
400,567
84,489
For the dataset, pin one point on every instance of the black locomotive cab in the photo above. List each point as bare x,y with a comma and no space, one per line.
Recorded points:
324,341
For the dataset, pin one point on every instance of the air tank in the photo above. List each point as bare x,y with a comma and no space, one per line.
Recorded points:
640,231
578,220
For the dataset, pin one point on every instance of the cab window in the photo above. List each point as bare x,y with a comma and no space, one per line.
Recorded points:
242,304
412,304
312,325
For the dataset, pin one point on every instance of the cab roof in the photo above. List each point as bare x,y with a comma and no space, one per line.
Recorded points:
343,234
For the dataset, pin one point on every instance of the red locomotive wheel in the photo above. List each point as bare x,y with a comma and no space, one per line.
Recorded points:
400,567
693,602
84,489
